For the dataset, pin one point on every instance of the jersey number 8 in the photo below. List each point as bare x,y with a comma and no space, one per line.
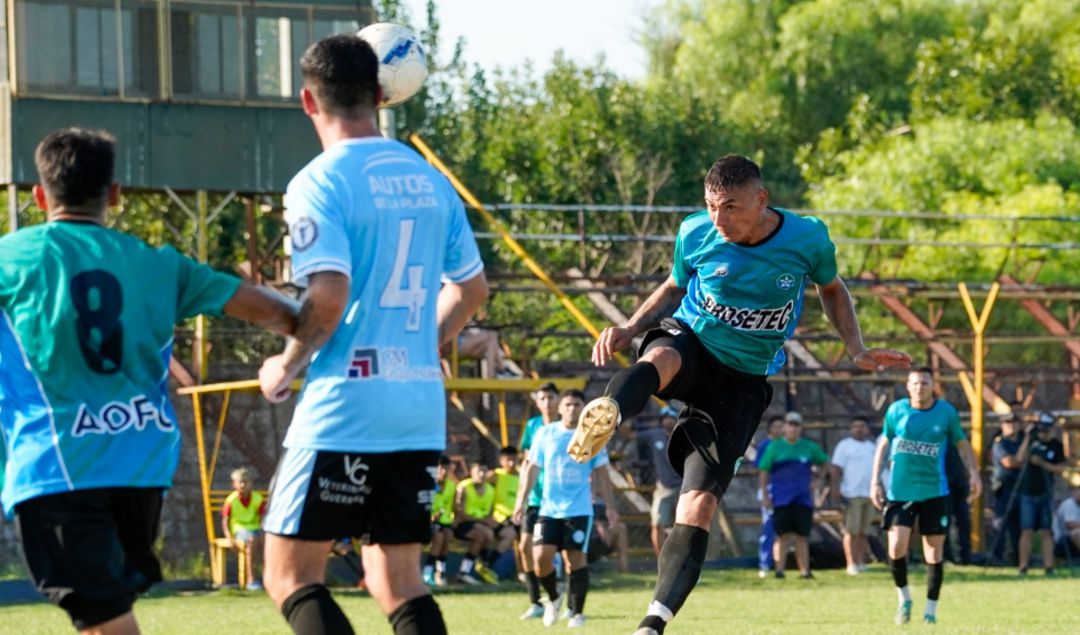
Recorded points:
99,300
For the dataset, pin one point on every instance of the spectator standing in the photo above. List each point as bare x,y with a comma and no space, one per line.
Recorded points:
852,463
1036,492
668,481
767,535
959,508
788,467
241,521
1067,527
1006,452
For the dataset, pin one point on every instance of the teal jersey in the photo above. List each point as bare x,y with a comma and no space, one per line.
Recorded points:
918,443
744,301
531,427
86,333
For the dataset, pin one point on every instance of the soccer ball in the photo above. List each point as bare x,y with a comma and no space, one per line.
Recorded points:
402,61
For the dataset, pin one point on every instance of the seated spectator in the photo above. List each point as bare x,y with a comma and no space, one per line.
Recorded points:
852,465
442,524
505,480
1067,528
241,521
473,505
608,538
668,481
477,342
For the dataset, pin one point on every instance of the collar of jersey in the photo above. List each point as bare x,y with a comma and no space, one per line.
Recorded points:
775,231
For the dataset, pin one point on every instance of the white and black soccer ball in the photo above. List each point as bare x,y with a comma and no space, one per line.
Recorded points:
402,61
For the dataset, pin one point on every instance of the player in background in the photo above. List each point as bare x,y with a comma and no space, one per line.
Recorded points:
915,433
565,521
391,268
91,441
505,479
736,289
546,399
241,521
473,504
442,525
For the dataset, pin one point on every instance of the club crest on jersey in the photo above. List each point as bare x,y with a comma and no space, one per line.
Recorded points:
722,271
785,281
364,363
303,233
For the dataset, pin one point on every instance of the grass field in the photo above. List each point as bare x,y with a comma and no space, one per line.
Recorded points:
973,601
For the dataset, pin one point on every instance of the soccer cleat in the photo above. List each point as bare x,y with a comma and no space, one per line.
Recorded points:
255,586
567,613
576,621
852,570
929,619
806,576
534,611
594,429
429,578
486,574
903,612
779,575
467,578
551,610
646,631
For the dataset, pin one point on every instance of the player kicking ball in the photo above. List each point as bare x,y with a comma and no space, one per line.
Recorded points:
916,433
566,510
736,289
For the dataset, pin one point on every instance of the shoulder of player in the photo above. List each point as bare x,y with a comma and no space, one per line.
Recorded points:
696,223
809,227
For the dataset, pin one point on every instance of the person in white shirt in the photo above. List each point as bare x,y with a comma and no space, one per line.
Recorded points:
1067,527
851,466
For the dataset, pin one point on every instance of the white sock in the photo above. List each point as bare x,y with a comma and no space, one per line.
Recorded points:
440,566
466,565
659,610
904,593
931,607
428,569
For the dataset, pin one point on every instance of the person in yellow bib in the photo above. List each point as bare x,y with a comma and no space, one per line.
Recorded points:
442,524
241,520
473,523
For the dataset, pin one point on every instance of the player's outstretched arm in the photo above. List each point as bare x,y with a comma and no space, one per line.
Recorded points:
458,303
264,307
660,303
321,309
974,478
525,485
836,302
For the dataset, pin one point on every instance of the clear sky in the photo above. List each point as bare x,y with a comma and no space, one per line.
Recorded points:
507,32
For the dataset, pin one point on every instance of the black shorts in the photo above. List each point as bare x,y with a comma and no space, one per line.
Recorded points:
509,522
793,519
92,551
383,497
532,514
437,527
565,534
723,410
932,514
462,529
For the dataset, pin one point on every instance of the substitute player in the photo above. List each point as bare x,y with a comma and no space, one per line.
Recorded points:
565,520
546,399
915,433
375,231
442,525
737,290
86,332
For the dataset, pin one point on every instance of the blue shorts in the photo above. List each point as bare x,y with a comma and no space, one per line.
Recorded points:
1035,512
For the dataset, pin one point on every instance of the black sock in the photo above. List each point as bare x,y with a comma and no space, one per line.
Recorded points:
934,575
490,556
653,622
631,388
430,561
418,616
899,571
679,567
579,587
533,584
551,587
311,611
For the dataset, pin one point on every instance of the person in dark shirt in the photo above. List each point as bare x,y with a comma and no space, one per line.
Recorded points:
668,481
960,509
1006,453
1036,492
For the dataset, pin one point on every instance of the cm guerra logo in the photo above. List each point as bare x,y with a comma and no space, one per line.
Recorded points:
364,364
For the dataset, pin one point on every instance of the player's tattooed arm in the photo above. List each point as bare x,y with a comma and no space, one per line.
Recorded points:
264,307
320,312
458,302
661,303
838,307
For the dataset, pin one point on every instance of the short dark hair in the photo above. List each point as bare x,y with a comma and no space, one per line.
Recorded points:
924,370
774,418
732,171
480,463
75,166
548,387
508,450
572,392
865,419
444,461
343,72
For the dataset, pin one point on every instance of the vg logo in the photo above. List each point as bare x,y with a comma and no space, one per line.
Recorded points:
356,470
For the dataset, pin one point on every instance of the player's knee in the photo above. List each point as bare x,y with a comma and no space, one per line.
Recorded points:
665,359
696,508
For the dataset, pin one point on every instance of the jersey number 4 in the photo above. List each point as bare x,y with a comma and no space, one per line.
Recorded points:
405,289
99,300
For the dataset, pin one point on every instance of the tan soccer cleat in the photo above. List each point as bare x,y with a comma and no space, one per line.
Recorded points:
594,429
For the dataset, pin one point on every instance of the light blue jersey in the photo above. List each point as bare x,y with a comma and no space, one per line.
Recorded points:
744,301
374,210
567,491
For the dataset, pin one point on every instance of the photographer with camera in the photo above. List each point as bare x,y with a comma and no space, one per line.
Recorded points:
1036,490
